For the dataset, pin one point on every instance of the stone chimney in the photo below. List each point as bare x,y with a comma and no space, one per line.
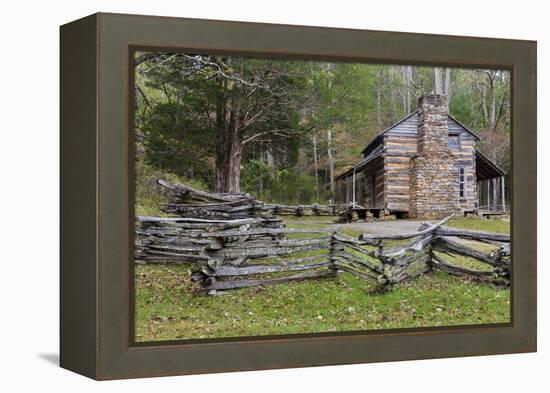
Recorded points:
434,170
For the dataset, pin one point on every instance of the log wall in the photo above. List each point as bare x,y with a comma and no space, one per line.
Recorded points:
399,148
373,184
400,145
466,158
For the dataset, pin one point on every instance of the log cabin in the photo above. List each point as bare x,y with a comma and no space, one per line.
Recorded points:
425,165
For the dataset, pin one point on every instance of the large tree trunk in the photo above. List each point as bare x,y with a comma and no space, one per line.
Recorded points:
229,147
228,164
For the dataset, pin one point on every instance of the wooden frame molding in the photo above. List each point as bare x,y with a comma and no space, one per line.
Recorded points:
97,181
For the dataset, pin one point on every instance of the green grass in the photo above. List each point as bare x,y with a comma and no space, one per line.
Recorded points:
168,307
479,224
148,208
149,195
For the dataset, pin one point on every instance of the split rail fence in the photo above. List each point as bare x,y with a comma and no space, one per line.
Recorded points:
300,210
240,253
185,201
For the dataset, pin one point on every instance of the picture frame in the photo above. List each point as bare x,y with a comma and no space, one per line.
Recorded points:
97,213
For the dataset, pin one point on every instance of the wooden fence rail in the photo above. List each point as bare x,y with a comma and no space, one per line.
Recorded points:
300,210
190,202
242,253
187,201
183,239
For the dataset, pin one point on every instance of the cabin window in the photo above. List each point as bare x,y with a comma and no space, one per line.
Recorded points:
454,142
462,182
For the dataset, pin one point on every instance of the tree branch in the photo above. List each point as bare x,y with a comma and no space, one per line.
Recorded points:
272,132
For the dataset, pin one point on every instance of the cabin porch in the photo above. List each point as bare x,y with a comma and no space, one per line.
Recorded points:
492,187
360,189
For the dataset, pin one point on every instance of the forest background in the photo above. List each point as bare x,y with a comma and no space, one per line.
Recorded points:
283,129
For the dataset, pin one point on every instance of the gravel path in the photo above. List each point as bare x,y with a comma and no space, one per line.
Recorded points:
393,227
390,227
397,227
383,227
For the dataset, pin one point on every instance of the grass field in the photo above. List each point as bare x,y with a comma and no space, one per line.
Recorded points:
168,309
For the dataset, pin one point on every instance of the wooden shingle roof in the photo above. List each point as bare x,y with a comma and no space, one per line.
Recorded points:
408,125
485,168
360,165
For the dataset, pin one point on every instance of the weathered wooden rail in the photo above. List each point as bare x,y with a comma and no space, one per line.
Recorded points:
182,239
190,202
242,253
187,201
300,210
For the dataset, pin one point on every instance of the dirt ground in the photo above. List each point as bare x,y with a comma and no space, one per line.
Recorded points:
389,227
383,227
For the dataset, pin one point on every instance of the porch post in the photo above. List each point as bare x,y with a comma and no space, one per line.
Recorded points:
354,188
488,194
503,194
347,190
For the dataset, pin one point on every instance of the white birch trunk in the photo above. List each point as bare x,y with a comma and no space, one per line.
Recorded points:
316,168
330,163
438,81
448,85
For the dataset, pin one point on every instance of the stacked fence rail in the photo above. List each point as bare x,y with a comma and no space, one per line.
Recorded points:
300,210
185,201
232,254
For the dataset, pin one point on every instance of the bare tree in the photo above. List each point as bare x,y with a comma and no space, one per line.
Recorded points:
406,89
442,82
315,168
330,163
447,90
438,81
270,160
493,104
379,120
